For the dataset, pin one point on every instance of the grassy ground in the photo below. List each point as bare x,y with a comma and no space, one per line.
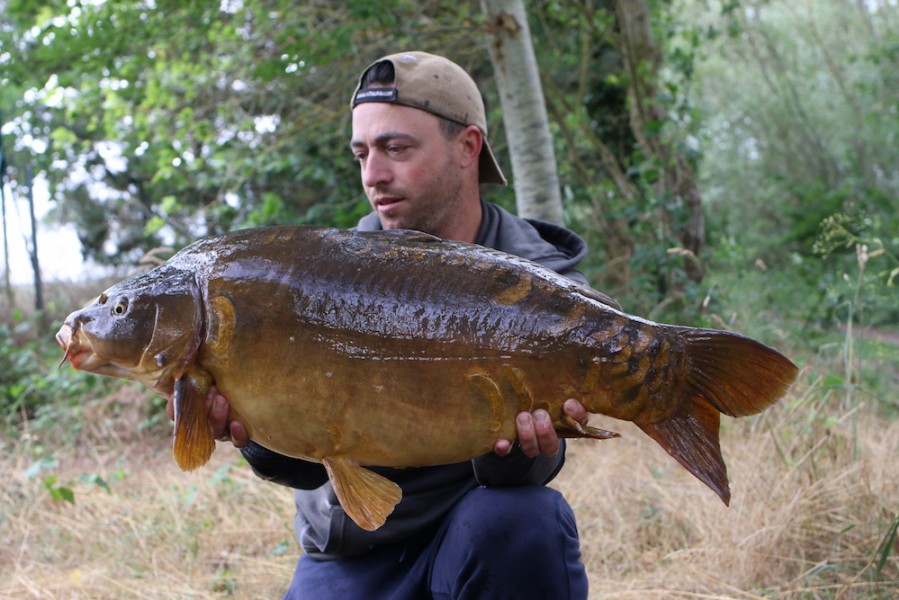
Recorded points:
815,498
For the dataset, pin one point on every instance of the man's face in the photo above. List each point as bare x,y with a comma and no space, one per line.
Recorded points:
409,169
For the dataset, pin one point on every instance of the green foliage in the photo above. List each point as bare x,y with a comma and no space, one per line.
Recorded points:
187,119
197,118
33,389
887,544
854,244
58,492
158,125
799,102
618,191
64,492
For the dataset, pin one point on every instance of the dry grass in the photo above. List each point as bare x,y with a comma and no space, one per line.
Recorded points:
807,520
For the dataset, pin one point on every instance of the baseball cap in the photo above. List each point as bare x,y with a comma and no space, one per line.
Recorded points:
441,87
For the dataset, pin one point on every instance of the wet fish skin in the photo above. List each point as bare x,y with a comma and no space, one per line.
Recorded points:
399,349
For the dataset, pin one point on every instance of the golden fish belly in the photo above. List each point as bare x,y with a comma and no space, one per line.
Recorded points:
395,411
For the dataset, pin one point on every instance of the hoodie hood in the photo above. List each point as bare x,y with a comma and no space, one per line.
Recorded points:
550,245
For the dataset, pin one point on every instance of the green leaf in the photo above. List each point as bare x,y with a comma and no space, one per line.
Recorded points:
887,544
96,480
58,492
154,225
281,549
41,465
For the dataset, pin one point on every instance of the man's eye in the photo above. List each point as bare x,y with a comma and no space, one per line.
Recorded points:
394,149
359,157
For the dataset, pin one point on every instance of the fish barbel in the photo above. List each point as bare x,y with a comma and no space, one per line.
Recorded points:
398,349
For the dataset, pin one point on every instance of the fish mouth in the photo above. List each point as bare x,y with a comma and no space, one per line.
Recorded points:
80,353
65,337
81,356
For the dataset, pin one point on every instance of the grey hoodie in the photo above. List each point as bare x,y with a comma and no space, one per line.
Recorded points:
323,528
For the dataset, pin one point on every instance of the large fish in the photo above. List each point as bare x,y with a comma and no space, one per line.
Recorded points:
398,349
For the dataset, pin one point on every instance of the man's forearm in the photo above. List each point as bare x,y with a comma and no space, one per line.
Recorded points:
284,470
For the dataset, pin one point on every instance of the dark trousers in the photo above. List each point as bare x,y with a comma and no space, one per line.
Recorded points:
496,543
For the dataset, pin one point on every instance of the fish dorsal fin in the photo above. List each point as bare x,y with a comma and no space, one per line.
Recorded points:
411,235
691,437
597,295
368,498
193,443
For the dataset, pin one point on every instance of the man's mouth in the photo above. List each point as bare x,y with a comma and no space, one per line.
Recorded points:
386,201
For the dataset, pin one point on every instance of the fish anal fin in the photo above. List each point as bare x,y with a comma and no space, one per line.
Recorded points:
570,428
368,498
691,437
193,444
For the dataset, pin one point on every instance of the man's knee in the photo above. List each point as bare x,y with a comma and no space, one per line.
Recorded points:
510,543
531,516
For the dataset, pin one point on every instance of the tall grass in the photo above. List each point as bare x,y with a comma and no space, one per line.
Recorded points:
808,519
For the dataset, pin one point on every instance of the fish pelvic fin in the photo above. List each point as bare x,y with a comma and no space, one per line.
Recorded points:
567,427
193,444
367,498
691,437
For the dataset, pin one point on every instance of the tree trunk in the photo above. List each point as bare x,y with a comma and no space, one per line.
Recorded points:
32,251
642,59
7,285
534,172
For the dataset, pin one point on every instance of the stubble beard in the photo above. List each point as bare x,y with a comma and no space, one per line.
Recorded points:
434,208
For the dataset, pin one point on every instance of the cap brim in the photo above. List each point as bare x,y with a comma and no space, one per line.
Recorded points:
488,167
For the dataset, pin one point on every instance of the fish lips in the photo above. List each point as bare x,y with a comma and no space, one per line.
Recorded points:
82,356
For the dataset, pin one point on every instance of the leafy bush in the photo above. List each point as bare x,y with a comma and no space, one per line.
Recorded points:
31,385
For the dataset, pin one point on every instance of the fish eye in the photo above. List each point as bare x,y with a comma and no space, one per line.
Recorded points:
120,308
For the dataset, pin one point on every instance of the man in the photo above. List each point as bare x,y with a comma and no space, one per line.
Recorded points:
487,528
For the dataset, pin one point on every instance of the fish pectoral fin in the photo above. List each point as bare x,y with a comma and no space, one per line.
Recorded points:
193,443
691,437
570,428
368,498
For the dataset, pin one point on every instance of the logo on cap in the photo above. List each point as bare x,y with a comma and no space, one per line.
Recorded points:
376,94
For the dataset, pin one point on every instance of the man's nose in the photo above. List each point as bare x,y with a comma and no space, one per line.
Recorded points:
375,171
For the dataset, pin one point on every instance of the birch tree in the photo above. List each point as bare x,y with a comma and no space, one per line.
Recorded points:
533,159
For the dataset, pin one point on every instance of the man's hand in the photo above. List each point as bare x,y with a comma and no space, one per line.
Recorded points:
217,413
536,434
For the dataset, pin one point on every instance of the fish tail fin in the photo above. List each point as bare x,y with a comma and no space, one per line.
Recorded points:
738,375
691,438
727,373
193,444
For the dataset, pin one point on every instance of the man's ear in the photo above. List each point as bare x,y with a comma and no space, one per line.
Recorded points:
470,141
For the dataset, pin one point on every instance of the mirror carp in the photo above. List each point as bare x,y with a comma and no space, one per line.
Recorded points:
398,349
